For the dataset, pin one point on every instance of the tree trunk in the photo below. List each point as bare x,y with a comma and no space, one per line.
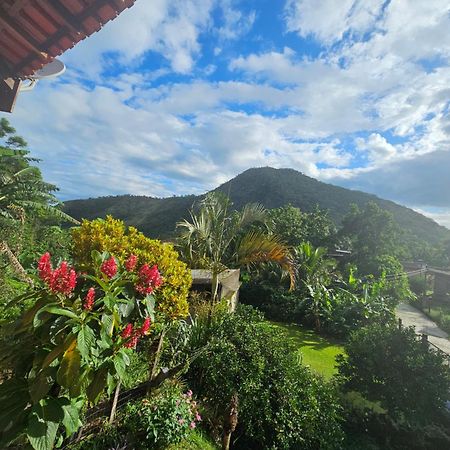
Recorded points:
15,264
154,371
114,404
230,422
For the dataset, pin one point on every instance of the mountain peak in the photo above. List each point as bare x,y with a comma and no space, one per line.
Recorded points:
266,185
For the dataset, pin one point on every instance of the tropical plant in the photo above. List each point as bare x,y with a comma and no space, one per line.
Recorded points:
22,189
73,345
111,235
315,274
26,201
217,238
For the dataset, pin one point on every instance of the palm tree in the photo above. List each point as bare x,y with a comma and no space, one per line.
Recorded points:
315,271
23,192
217,238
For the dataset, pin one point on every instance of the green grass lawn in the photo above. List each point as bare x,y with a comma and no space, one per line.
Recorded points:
317,352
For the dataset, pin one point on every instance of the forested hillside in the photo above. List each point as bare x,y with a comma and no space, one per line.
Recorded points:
271,187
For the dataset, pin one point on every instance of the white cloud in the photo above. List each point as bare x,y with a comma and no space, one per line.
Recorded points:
377,148
330,20
171,28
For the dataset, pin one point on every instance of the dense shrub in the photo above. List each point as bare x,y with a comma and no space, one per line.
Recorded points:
390,365
276,302
113,236
368,427
281,404
162,419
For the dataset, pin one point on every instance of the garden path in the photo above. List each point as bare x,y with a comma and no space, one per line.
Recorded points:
413,317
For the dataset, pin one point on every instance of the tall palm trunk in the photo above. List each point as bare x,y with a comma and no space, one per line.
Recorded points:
15,264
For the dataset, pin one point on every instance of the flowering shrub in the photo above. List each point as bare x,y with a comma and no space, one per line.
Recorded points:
73,345
111,235
164,418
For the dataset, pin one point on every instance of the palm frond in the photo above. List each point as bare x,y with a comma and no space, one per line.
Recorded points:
257,247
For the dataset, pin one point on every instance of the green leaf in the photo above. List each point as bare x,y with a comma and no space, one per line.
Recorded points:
82,383
43,424
58,350
149,301
111,383
28,317
108,324
41,385
109,301
120,365
125,309
71,420
69,370
60,311
86,340
97,385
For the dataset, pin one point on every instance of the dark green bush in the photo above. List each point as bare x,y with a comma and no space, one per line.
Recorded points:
281,404
275,301
391,366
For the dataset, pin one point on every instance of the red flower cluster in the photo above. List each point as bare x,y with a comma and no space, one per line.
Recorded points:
109,267
146,325
89,300
133,334
63,279
127,331
149,279
131,262
45,267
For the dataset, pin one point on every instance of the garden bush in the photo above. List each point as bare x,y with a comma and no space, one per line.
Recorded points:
113,236
165,417
276,302
390,366
281,404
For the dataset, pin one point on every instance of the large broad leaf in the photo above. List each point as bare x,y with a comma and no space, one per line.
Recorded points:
97,385
69,370
53,310
43,424
120,364
71,420
14,401
108,324
85,340
28,317
126,308
58,350
82,383
40,385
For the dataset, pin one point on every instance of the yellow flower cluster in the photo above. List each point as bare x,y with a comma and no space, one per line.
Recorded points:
113,236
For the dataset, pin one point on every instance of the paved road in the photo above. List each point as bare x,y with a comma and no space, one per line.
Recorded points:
413,317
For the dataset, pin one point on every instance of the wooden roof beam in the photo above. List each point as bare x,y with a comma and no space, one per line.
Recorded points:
25,41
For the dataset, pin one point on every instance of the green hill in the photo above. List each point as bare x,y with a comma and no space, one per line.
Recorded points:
157,217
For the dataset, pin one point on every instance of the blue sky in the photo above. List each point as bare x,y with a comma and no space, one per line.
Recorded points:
178,96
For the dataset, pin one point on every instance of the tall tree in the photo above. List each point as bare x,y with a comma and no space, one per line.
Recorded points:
373,234
24,196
